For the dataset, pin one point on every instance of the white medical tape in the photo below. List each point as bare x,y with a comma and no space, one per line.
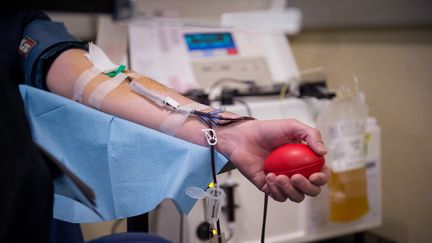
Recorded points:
103,89
83,79
99,59
176,120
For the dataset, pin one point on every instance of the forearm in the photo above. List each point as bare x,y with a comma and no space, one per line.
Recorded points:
246,144
121,102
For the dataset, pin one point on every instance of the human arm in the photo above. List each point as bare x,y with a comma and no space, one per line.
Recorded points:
246,144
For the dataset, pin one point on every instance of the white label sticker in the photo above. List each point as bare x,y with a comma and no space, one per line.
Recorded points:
347,145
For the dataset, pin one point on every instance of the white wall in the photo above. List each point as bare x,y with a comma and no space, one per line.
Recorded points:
82,26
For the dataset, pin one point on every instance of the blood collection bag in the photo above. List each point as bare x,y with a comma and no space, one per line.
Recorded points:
342,125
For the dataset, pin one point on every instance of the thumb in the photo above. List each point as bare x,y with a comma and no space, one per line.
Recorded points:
317,146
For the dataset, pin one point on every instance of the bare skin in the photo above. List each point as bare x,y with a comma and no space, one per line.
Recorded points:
246,144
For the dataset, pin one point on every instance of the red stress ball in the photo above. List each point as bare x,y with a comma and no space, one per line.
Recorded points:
296,158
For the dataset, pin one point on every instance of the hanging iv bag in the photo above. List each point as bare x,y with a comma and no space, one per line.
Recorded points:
342,125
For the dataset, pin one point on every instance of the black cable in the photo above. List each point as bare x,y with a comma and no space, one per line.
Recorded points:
264,218
181,228
209,119
219,235
245,104
213,163
213,166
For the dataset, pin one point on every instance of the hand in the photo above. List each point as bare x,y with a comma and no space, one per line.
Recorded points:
247,144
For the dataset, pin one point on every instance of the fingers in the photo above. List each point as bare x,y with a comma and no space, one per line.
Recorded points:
321,178
306,133
280,188
273,189
305,186
313,138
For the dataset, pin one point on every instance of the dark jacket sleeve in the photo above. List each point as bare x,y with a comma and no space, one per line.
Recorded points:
42,42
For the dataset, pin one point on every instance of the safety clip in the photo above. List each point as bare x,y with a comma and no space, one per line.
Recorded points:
210,136
114,73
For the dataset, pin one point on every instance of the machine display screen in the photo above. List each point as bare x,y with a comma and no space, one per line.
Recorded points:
211,43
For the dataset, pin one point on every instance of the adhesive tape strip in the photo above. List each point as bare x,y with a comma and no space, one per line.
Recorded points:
82,81
104,88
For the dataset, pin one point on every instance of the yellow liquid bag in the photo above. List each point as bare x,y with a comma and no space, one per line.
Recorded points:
348,195
342,125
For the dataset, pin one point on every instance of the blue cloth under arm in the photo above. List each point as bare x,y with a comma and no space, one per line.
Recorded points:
131,168
50,40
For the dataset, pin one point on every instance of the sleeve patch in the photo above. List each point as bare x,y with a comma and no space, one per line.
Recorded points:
26,45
